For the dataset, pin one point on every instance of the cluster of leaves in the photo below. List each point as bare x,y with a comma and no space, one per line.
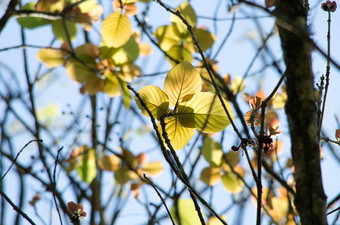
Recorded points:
192,109
176,40
126,166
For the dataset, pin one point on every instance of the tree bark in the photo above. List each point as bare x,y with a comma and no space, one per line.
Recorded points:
310,199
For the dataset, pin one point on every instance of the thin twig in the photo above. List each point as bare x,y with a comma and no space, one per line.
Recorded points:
55,185
160,196
16,157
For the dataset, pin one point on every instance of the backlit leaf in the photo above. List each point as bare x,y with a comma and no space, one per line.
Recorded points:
129,158
232,183
188,13
155,99
204,38
216,221
126,95
212,152
127,53
153,168
166,37
116,30
237,85
178,135
187,212
182,80
180,54
93,86
123,175
59,30
233,158
79,72
109,162
204,110
128,72
31,22
111,85
87,52
210,175
87,169
51,57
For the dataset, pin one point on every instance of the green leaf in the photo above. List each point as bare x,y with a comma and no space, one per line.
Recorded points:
87,52
204,38
232,183
204,111
59,30
210,175
31,22
212,152
187,212
233,158
51,57
126,95
111,85
188,13
167,37
123,175
178,135
127,53
87,169
155,99
182,80
79,72
180,54
116,30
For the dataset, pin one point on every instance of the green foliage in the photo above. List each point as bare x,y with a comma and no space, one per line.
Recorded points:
186,211
31,22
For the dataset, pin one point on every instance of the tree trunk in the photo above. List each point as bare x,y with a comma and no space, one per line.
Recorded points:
310,199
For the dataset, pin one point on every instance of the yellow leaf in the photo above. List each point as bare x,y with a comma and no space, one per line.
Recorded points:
182,80
180,54
59,30
144,49
204,110
153,168
232,183
51,57
155,99
210,175
212,152
79,72
109,162
237,85
216,221
188,13
279,101
111,85
279,209
116,30
186,212
178,135
167,37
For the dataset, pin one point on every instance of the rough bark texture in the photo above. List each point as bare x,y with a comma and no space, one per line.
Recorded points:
310,198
